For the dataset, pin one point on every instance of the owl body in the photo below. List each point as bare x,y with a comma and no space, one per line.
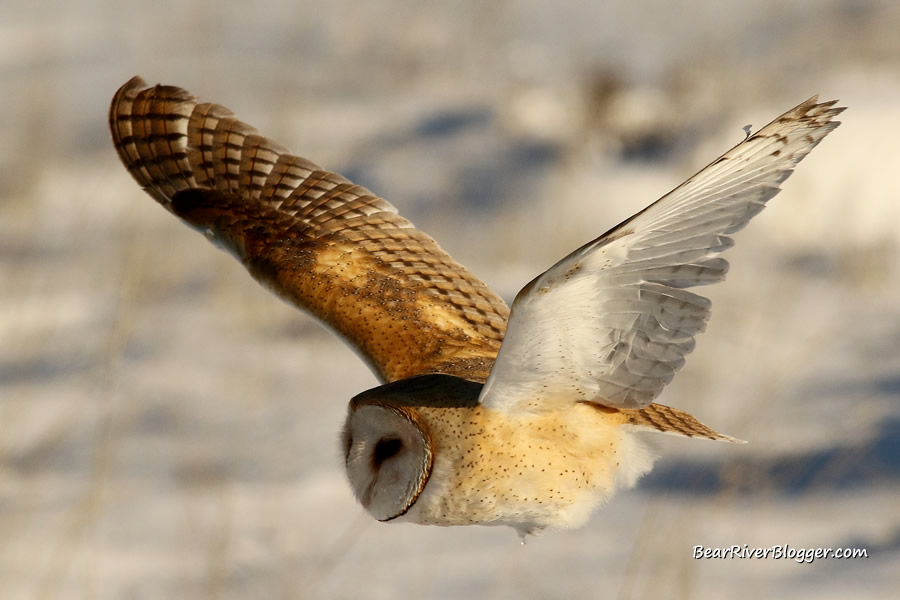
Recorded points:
545,468
528,471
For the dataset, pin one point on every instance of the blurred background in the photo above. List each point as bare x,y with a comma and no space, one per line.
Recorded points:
169,429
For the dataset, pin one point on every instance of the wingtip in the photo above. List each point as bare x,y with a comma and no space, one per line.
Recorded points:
810,120
137,84
129,89
821,113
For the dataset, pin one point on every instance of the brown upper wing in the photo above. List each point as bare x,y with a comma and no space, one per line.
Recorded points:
319,241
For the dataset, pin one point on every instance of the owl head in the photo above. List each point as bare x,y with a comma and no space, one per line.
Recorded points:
387,441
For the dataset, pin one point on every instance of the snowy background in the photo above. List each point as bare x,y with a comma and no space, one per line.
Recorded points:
168,429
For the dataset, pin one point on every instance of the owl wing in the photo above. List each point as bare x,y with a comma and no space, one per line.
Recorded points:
322,243
612,322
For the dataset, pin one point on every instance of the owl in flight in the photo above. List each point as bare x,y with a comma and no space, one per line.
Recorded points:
486,415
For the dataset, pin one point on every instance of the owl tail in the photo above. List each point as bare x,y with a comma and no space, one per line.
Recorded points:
658,417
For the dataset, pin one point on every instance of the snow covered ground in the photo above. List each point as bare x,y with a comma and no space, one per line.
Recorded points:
169,429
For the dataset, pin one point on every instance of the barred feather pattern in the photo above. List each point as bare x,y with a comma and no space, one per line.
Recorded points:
329,246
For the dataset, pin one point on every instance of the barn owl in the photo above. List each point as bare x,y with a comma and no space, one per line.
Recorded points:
485,416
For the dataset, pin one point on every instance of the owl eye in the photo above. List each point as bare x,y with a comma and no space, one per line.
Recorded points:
385,449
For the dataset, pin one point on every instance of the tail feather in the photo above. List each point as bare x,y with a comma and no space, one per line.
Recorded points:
665,419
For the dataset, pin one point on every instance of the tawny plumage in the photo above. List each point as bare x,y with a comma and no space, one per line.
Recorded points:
532,434
319,241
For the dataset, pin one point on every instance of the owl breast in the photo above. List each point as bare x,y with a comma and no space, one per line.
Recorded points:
530,471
